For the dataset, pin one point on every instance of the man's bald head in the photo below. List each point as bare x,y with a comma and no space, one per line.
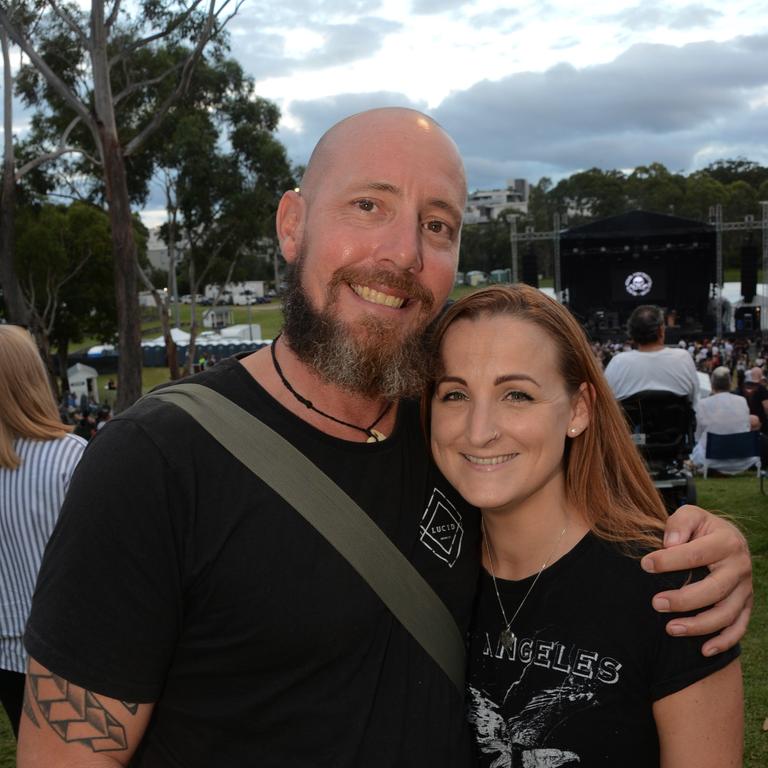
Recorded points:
385,124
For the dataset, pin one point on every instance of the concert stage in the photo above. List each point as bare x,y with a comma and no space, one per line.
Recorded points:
611,266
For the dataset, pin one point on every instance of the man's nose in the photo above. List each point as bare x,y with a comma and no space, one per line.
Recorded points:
401,244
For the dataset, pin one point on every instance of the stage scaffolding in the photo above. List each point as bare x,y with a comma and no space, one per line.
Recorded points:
716,219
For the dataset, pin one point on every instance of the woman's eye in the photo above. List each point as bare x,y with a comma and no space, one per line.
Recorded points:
517,396
365,205
453,396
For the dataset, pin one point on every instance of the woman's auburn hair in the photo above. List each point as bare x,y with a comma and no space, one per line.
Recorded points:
605,478
27,405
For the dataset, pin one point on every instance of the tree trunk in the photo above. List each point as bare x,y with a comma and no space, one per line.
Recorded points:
126,288
16,309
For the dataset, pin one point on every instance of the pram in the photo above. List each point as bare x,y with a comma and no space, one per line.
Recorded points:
662,426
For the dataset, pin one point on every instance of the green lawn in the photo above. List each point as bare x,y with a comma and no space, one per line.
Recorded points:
741,499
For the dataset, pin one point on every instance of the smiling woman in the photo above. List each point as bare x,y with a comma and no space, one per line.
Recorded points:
561,668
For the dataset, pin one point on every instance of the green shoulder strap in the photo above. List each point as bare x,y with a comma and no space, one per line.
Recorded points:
336,517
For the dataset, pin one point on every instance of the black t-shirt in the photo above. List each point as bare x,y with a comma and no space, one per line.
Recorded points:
756,395
176,576
590,657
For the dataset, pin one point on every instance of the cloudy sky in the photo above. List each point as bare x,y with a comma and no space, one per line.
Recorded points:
527,89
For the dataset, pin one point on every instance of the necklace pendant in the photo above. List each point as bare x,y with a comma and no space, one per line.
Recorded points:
508,639
376,437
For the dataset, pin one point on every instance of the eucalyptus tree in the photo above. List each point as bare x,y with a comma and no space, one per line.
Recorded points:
96,72
225,172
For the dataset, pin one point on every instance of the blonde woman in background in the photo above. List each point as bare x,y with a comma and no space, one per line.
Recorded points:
37,457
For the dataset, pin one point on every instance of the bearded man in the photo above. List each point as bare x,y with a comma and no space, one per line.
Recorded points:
187,616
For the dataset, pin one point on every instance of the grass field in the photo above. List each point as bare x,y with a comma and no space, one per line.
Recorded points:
741,499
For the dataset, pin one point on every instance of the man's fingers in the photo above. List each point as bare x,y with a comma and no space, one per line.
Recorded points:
706,550
730,636
723,612
703,624
682,524
722,587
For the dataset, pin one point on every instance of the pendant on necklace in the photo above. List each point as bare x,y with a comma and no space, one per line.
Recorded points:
376,437
507,639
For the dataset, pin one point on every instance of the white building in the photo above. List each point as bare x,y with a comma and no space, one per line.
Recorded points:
485,205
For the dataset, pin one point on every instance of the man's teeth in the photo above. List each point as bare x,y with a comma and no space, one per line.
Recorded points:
377,297
489,461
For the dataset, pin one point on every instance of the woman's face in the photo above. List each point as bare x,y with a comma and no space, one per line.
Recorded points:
501,413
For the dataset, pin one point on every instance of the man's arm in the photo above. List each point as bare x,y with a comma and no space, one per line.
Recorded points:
694,538
65,725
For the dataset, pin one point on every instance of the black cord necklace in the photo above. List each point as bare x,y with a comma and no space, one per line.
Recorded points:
374,436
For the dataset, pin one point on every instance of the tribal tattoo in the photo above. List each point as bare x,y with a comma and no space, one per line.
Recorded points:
76,715
27,707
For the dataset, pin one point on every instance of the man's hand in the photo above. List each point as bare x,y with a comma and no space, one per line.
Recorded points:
694,538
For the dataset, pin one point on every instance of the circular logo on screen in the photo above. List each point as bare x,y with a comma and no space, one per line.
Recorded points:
638,284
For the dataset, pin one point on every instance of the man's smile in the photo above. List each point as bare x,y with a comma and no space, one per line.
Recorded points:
377,297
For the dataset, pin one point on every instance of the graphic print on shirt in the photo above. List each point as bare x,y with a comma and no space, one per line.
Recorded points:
514,730
441,530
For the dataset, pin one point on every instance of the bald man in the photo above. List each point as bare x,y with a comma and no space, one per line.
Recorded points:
187,616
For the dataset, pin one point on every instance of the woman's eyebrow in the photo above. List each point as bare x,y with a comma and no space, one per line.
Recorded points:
515,377
451,379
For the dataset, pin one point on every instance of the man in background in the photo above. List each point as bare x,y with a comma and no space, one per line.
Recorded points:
652,366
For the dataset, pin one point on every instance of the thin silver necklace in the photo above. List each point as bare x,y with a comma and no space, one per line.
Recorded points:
507,637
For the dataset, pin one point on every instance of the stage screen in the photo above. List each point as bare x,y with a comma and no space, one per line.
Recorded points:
639,283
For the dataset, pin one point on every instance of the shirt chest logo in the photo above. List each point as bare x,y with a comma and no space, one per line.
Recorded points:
441,530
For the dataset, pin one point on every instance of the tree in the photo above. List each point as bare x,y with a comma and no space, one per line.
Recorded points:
740,169
702,191
115,54
653,188
226,172
64,263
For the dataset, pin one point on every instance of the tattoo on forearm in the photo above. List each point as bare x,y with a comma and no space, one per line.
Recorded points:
27,707
75,714
132,708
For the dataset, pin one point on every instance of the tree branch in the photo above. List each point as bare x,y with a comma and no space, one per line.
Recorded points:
144,83
113,15
32,164
70,21
51,77
134,46
186,76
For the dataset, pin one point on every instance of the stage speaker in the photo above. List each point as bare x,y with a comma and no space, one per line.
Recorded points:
530,265
749,256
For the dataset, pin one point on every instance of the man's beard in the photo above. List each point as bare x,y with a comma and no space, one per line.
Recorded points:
373,359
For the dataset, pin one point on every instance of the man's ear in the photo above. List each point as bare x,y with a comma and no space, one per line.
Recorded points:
289,224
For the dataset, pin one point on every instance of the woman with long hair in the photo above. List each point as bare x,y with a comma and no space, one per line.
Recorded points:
37,457
568,662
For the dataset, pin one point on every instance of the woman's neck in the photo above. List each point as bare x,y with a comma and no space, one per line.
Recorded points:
522,540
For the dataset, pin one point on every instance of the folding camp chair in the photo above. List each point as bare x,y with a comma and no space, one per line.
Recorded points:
739,445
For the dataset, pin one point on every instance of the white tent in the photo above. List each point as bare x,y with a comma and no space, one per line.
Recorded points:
83,380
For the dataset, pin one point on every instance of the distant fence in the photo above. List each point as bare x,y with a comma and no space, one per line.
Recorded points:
155,357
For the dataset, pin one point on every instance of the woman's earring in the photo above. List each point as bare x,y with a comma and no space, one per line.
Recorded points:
573,431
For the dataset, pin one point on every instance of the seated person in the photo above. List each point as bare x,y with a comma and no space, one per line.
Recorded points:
757,396
651,365
721,413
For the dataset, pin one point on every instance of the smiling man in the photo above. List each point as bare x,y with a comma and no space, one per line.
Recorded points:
187,616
